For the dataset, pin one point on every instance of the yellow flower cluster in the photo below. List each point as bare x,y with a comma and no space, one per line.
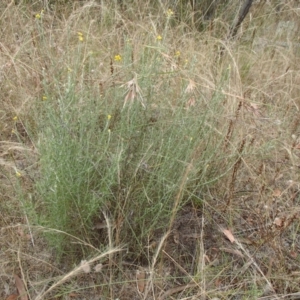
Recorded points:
80,36
39,16
169,13
159,37
118,57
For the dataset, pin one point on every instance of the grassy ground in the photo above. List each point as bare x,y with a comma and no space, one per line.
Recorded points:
143,156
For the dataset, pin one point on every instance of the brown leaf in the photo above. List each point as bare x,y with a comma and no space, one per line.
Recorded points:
140,279
20,287
218,283
277,193
293,254
20,231
229,235
12,297
73,295
254,106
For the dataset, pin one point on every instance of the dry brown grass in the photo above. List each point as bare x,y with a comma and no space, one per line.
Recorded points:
257,199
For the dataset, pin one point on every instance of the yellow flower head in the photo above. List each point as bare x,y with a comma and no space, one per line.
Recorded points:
108,117
118,57
18,174
177,53
159,37
169,13
44,98
80,36
15,118
39,16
